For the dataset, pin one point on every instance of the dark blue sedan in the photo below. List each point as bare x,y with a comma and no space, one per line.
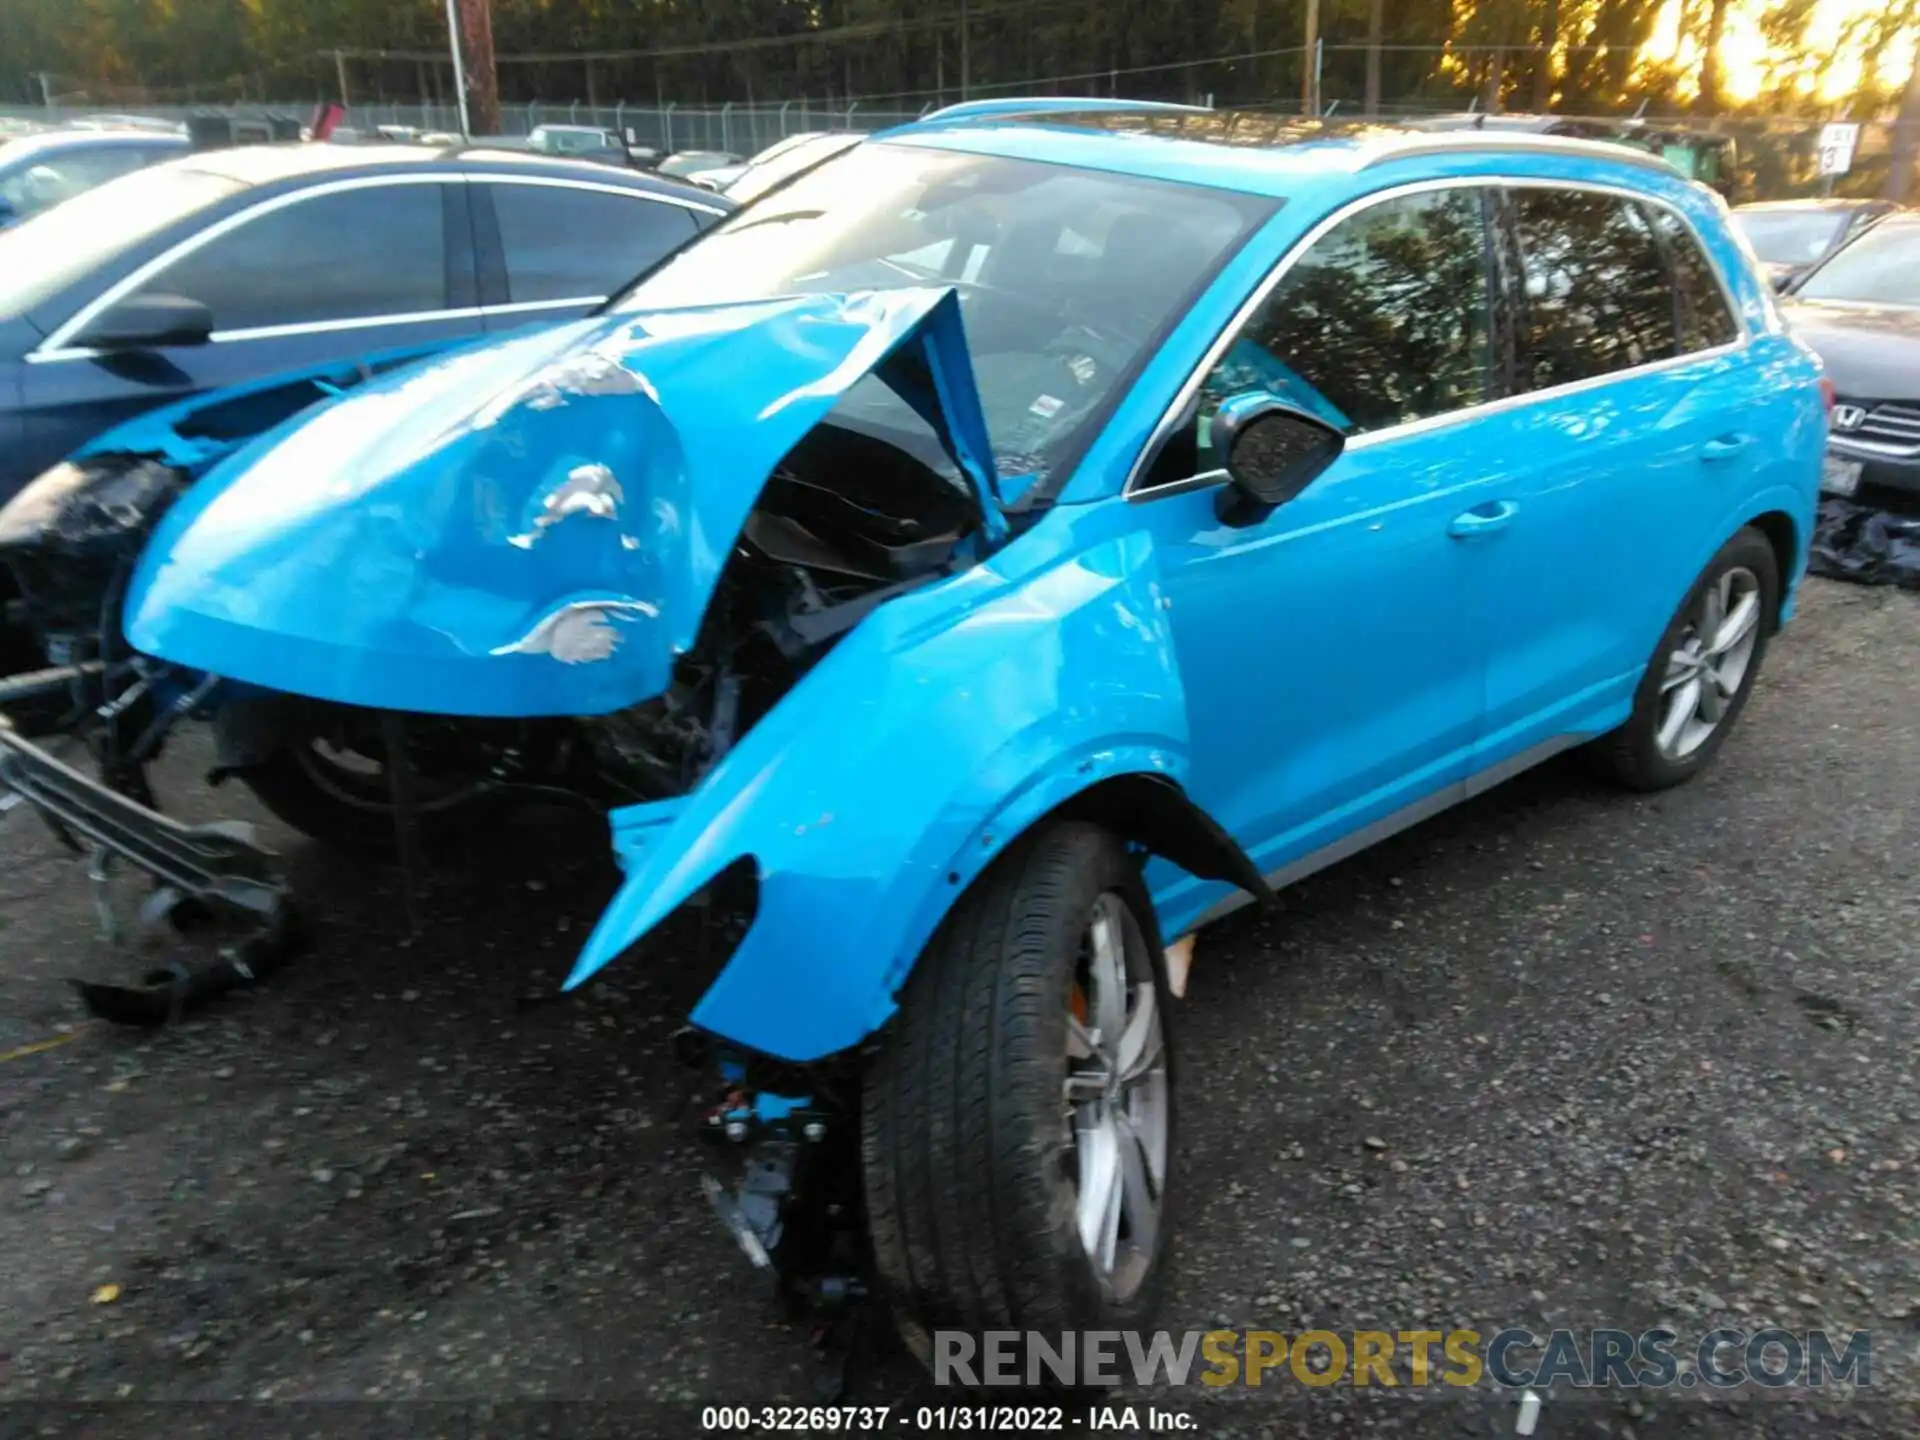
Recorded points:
231,265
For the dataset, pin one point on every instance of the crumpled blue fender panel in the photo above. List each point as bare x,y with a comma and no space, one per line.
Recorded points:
532,527
943,725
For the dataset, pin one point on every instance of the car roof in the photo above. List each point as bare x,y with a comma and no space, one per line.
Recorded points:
255,166
1247,150
52,140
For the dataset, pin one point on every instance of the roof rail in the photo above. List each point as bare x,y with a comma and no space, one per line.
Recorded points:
1014,105
1478,142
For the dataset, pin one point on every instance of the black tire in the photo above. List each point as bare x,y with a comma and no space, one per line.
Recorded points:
1632,755
293,792
965,1135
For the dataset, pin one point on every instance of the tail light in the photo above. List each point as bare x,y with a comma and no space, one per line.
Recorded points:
1826,392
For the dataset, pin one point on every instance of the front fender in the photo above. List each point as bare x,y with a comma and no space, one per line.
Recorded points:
870,797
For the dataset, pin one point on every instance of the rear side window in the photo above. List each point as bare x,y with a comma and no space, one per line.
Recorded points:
1595,297
349,255
1706,319
565,243
1383,320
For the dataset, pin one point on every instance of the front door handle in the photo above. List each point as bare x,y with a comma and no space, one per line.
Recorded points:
1483,519
1725,447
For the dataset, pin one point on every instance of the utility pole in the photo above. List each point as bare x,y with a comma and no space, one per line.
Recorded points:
46,89
965,70
340,73
1310,77
475,27
459,68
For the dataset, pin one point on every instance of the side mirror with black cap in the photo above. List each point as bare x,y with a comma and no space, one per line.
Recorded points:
149,322
1271,451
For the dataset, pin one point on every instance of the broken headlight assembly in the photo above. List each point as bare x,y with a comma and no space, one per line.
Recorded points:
69,536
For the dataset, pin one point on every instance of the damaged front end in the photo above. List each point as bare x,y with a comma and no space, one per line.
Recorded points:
537,528
583,561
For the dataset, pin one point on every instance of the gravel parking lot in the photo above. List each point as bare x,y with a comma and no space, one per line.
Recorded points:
1560,1058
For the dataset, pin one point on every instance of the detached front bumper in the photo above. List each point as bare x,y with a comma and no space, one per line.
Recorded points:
216,867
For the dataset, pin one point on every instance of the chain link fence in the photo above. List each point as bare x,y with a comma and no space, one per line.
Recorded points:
1765,159
738,129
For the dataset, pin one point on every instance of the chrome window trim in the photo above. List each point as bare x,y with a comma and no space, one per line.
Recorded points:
494,177
1169,419
527,307
57,347
357,322
362,322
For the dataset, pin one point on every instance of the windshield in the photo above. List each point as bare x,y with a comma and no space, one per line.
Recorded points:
1881,267
1068,278
40,258
1789,237
763,177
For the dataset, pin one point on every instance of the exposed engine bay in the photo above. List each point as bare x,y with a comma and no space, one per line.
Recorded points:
851,517
847,521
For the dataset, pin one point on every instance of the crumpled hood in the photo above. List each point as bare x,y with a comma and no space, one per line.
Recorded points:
533,527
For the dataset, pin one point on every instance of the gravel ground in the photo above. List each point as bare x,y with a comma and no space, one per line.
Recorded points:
1559,1058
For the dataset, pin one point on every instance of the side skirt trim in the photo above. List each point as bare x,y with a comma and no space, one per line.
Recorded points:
1368,835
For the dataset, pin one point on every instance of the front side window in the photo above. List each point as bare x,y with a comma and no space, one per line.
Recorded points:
1596,297
563,243
1068,278
349,255
1384,320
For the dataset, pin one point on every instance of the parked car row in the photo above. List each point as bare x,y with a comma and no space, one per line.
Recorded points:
1790,237
1008,546
1859,308
39,171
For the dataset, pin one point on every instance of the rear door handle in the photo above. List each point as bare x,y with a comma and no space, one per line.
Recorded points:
1726,447
1483,519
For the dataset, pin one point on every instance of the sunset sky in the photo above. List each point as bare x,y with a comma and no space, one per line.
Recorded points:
1743,52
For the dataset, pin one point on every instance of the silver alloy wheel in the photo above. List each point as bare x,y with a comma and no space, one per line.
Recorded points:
1116,1096
1706,671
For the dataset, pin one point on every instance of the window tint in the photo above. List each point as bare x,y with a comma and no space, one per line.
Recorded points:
1706,320
568,244
1595,294
349,255
1383,320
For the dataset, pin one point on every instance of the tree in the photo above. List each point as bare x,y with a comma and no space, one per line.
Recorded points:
1906,136
1709,100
